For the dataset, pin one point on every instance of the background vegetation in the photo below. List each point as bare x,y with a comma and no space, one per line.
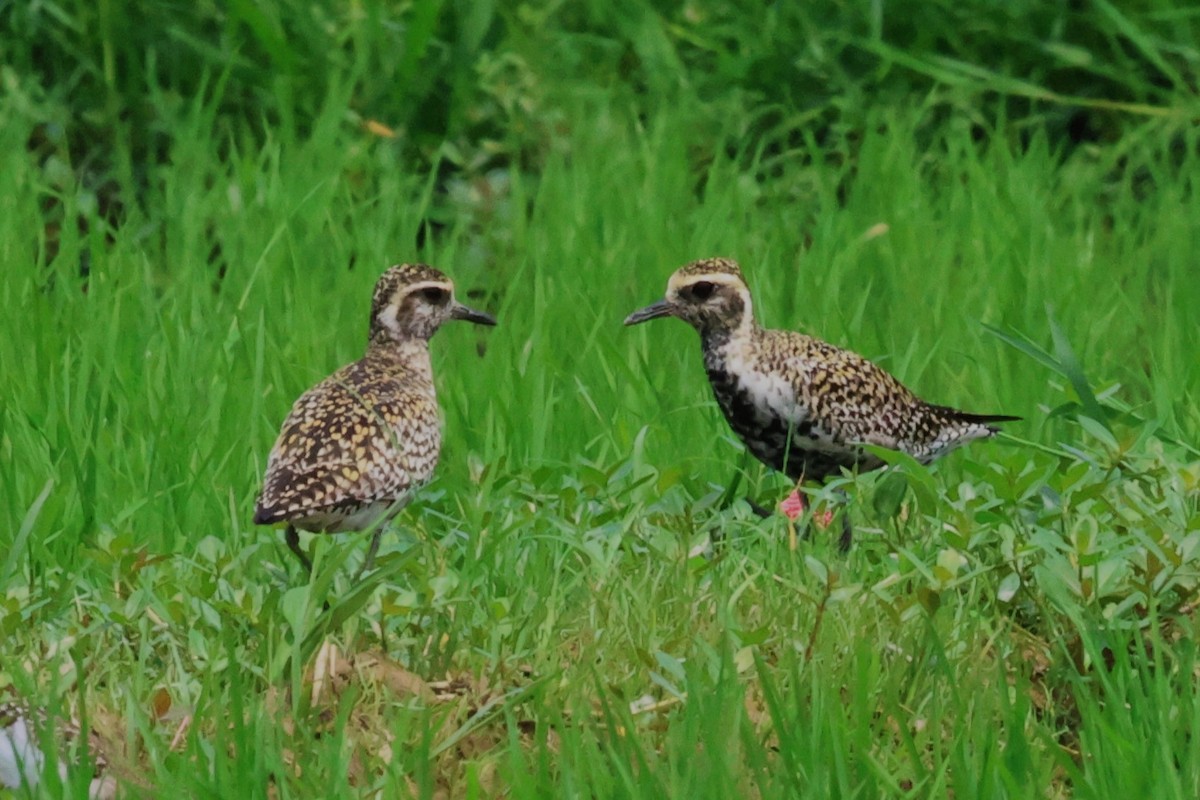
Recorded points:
998,202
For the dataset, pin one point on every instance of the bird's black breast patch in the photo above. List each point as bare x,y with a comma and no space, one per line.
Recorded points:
789,446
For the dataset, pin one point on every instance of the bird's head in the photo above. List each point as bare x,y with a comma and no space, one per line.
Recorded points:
710,295
411,301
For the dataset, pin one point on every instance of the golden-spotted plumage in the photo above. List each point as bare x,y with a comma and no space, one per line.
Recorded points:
356,446
801,405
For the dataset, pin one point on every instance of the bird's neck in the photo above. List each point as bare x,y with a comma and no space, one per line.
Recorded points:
725,348
401,355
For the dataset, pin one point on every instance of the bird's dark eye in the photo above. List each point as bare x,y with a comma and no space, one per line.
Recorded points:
702,290
435,295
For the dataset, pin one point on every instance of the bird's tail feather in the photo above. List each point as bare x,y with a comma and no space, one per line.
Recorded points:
976,419
985,418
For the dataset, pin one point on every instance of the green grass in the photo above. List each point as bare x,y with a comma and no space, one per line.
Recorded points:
1016,622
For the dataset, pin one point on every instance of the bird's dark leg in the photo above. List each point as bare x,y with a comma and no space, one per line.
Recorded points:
758,510
847,537
369,561
367,565
293,543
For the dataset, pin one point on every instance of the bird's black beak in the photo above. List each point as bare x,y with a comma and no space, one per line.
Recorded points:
653,311
468,314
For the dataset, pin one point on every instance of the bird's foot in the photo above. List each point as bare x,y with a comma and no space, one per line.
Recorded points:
293,542
369,562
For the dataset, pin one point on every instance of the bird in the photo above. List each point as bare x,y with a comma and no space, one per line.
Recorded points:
357,446
803,406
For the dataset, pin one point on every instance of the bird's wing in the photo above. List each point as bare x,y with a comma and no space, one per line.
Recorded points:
338,448
849,399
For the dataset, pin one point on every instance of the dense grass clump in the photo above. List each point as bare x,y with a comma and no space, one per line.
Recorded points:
582,603
472,85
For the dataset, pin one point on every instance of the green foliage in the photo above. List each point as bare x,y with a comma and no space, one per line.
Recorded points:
483,82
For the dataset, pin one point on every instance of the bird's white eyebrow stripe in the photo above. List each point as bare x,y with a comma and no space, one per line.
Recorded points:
415,287
678,281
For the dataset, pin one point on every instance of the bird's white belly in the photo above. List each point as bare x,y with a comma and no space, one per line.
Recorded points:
352,519
773,397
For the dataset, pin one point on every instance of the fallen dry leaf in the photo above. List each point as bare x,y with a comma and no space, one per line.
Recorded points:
160,703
